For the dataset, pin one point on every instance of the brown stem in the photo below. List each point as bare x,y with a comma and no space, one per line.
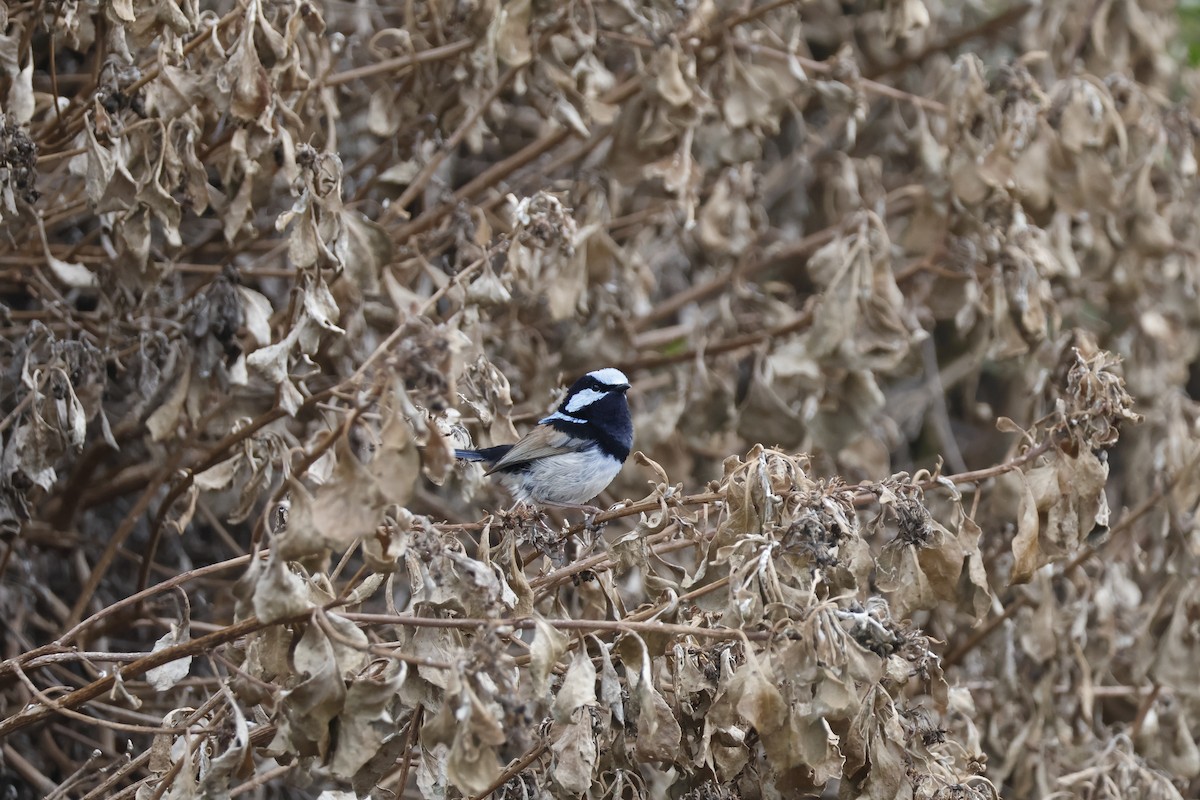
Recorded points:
400,62
897,202
100,568
96,688
515,769
586,625
988,27
418,184
410,741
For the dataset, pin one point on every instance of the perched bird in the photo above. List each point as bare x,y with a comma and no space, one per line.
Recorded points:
573,454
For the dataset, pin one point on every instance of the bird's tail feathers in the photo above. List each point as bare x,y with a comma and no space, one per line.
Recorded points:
486,454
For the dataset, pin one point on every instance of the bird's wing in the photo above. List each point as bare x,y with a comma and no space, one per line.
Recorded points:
540,442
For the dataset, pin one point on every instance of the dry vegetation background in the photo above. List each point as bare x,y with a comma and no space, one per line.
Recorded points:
908,291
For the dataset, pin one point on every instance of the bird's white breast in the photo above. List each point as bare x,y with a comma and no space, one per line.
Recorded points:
566,478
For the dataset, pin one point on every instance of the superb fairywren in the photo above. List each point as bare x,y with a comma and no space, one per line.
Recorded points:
573,454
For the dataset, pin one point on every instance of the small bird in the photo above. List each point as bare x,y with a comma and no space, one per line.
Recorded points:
573,454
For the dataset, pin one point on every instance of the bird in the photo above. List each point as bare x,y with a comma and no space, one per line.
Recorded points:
570,456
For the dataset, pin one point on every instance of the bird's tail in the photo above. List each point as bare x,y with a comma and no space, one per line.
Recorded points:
486,454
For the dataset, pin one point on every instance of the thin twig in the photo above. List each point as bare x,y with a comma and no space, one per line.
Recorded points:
123,531
410,741
449,146
35,715
51,703
797,323
939,415
514,769
899,201
263,778
145,594
376,650
20,408
995,24
21,766
588,625
959,652
394,66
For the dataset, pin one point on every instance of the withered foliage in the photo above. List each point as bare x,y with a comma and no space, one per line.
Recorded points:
909,292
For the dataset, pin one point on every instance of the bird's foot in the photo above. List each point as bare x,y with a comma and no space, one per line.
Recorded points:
589,521
589,511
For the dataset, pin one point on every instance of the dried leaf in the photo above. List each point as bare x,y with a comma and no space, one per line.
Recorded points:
167,675
1026,556
549,645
